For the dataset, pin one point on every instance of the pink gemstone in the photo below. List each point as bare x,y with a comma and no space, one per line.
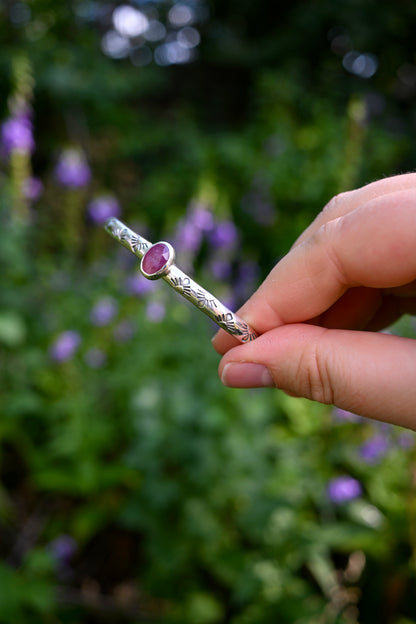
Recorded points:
155,258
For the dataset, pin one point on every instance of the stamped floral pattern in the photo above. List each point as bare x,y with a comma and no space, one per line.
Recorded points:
184,285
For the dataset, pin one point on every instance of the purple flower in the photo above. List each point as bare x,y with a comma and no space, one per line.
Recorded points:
220,269
17,134
341,415
201,217
406,440
190,232
191,229
63,548
188,236
95,358
65,346
155,311
343,489
259,207
374,449
138,285
32,188
124,331
102,208
224,234
72,170
229,301
248,273
104,311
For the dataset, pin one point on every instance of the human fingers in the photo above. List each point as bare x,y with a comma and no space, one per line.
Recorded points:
338,206
366,308
391,310
369,308
371,246
346,202
358,309
355,309
363,372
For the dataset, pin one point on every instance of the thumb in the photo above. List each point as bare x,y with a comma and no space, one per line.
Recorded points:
370,374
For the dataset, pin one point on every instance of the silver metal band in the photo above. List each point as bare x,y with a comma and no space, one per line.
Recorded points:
182,283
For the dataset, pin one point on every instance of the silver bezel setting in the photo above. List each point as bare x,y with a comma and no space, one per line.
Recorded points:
164,270
183,284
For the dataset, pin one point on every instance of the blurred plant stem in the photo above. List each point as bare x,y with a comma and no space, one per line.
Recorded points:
20,163
72,221
20,171
356,132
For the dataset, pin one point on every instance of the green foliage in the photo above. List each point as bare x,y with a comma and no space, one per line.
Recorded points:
133,486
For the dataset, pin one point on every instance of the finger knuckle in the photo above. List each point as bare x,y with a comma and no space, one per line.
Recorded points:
327,238
314,374
334,207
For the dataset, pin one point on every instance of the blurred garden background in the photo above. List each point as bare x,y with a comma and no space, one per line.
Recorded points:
133,486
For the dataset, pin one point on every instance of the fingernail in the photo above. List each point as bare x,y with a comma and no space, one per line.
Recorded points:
246,375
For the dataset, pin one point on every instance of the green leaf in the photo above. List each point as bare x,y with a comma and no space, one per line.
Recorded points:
12,329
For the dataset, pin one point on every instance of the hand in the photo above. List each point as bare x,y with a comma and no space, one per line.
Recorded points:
350,274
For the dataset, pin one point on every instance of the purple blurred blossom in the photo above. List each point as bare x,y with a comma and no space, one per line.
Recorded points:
406,440
155,311
188,237
259,207
190,230
72,169
264,212
247,277
224,234
201,217
220,268
374,448
63,548
32,188
17,134
138,285
102,208
124,331
248,271
341,415
230,301
104,311
343,489
65,346
95,357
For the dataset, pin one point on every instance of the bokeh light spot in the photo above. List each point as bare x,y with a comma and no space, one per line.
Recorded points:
188,37
114,45
181,15
129,22
155,32
20,14
172,53
363,65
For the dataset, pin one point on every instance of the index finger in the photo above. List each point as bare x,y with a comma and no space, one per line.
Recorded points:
348,201
373,246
